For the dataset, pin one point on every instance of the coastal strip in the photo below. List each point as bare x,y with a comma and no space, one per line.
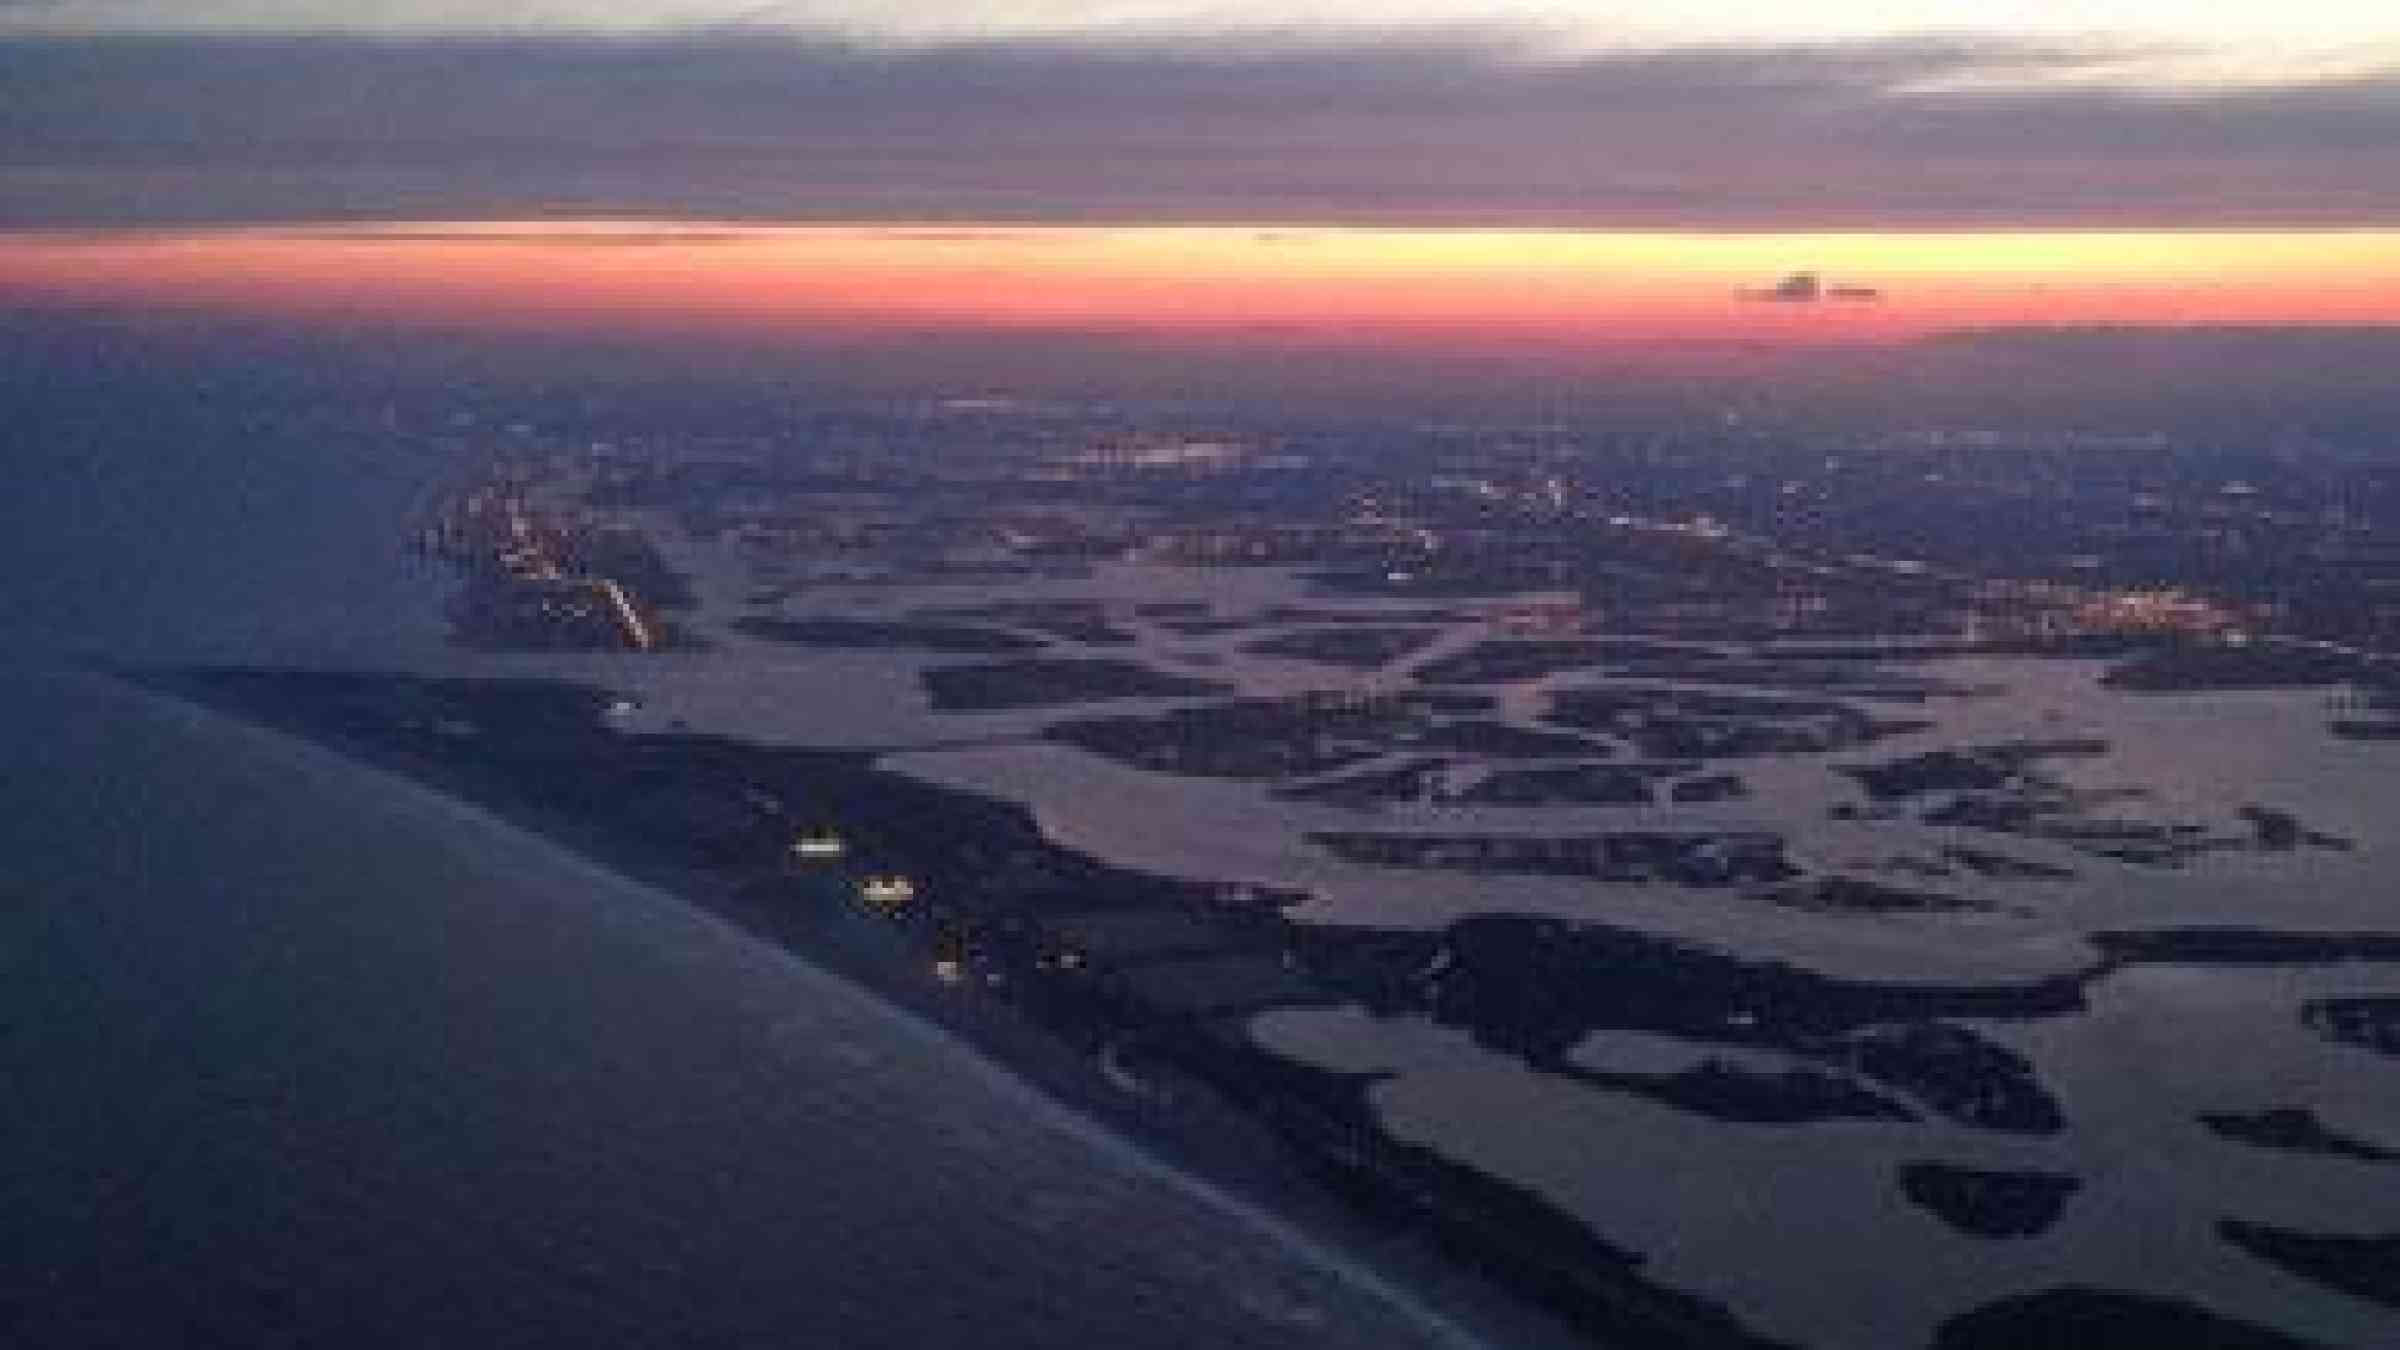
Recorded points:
1161,974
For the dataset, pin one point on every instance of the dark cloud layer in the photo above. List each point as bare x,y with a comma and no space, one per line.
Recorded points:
153,130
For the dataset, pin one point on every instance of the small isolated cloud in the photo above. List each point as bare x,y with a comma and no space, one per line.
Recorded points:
1800,288
1807,288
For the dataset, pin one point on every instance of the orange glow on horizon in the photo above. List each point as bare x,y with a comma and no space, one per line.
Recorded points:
1450,287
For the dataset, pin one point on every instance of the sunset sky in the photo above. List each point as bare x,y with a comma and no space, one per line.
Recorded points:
1586,172
1572,287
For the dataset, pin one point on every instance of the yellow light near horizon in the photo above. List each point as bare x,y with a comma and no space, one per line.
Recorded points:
1582,286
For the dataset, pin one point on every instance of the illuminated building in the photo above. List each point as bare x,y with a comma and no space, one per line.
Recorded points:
819,846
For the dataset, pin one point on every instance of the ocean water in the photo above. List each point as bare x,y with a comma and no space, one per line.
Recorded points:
297,1053
181,525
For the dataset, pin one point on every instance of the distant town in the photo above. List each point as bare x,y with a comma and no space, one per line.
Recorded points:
1960,539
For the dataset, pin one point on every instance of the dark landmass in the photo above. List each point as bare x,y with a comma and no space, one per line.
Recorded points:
1974,768
1503,1231
1429,778
2186,668
1360,647
1856,895
2280,831
1052,955
1283,614
1959,1074
2366,728
1449,702
1509,742
1999,866
2295,1129
878,634
1048,681
1412,780
1864,651
2239,947
2276,831
1848,679
2371,1023
1538,987
1990,794
1988,1204
1712,787
1507,660
1267,738
1691,858
2362,1267
1669,723
1084,621
1721,1090
1571,784
2060,818
2075,1318
1917,865
1933,771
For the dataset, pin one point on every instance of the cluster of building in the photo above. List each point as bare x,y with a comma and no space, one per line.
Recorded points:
2040,609
536,579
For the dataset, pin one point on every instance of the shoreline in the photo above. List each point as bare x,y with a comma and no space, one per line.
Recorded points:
1481,1255
1146,1037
